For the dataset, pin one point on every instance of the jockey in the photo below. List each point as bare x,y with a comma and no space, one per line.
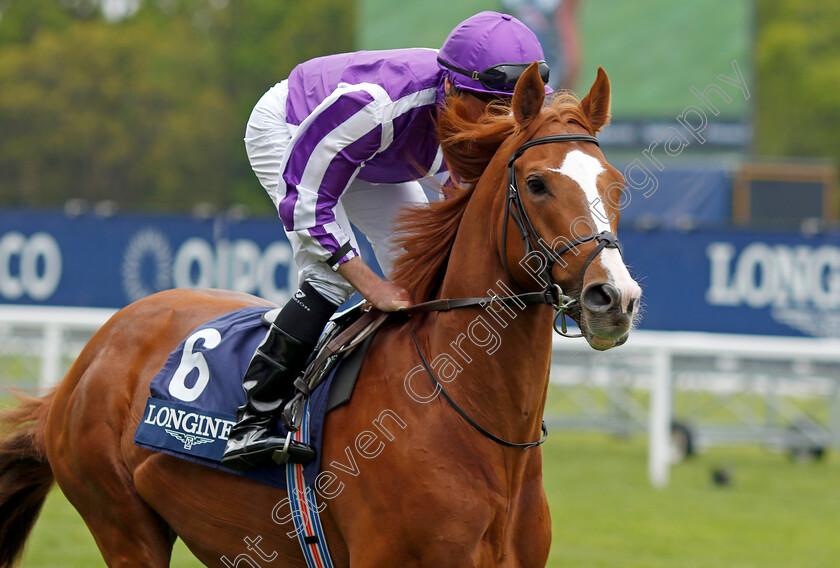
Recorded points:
343,140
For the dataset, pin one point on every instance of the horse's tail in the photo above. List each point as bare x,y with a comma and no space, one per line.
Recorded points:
25,474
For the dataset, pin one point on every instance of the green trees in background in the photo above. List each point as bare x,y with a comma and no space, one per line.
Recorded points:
149,110
797,57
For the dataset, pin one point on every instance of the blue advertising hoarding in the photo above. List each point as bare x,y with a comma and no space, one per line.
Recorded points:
769,283
728,281
52,259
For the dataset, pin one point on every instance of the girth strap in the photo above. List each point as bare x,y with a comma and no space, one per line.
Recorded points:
305,507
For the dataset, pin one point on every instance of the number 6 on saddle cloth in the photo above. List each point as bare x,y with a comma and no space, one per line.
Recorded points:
195,395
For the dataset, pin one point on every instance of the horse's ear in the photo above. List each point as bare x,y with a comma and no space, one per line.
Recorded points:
528,96
596,105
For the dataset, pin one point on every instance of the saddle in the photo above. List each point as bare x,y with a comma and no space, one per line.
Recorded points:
346,338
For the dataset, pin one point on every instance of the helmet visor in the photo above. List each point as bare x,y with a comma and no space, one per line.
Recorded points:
501,77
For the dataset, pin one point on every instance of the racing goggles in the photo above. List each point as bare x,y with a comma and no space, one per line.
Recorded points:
501,77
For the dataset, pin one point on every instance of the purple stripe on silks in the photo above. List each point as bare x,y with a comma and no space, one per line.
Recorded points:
400,72
286,209
412,152
301,149
341,170
325,239
328,119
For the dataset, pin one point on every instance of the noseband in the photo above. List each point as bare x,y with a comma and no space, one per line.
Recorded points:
551,295
515,210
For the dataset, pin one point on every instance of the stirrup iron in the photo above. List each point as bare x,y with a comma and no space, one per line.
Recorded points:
292,415
293,451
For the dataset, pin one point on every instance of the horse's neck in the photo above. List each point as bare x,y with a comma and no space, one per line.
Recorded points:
504,351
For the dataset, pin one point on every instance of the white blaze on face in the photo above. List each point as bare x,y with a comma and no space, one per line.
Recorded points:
585,169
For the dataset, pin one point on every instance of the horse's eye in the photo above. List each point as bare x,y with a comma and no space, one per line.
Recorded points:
537,186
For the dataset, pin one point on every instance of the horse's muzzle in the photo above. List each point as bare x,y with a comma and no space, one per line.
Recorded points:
608,314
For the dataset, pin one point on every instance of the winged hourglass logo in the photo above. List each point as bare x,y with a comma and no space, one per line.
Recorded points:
189,440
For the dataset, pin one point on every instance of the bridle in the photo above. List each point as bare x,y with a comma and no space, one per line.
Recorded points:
515,210
552,294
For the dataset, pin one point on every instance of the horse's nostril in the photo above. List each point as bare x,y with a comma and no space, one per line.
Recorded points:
600,297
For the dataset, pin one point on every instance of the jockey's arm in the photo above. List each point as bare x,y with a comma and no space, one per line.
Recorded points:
326,169
384,295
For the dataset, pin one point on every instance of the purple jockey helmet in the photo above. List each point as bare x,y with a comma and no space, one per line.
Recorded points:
489,51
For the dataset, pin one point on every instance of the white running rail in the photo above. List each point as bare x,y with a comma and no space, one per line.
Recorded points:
54,336
46,331
669,363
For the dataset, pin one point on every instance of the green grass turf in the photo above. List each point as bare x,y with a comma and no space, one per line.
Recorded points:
775,514
61,540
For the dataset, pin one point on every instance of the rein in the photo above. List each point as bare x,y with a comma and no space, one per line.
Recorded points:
551,295
466,416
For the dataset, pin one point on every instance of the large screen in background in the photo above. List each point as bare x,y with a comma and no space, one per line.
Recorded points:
661,57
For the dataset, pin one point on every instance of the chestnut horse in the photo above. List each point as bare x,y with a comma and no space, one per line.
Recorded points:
412,482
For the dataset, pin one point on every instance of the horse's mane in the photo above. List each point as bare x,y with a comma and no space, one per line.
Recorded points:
425,233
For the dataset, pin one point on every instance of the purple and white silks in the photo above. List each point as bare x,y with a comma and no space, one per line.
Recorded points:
364,115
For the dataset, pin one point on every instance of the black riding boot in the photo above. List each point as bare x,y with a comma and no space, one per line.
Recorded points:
269,380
